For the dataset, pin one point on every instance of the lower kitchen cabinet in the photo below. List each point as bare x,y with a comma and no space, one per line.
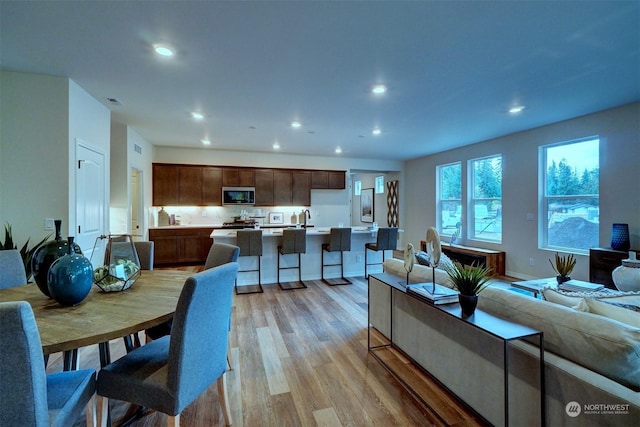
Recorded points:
180,245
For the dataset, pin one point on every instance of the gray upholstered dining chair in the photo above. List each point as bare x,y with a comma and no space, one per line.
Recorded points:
12,271
221,253
339,240
169,373
28,396
145,251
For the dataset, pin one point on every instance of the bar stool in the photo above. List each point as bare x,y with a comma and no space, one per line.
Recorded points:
250,244
339,240
387,239
294,241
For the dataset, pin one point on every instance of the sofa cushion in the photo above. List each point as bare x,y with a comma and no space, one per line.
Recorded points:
611,311
556,297
603,345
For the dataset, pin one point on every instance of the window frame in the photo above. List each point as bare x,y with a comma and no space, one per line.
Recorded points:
474,202
545,199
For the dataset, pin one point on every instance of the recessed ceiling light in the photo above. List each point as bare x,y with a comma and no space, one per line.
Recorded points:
276,145
205,141
197,116
163,50
296,124
338,150
376,131
379,89
516,109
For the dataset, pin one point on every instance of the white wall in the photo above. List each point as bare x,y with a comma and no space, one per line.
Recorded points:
41,119
619,131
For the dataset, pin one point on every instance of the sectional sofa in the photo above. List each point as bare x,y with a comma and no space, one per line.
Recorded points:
591,358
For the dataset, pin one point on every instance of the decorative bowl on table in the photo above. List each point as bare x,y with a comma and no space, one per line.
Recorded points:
121,265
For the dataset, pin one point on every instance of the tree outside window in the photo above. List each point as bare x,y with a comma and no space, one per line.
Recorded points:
486,200
450,198
571,203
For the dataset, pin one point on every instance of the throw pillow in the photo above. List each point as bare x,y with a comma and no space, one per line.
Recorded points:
556,297
611,311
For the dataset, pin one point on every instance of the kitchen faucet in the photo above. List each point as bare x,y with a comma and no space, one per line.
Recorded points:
306,212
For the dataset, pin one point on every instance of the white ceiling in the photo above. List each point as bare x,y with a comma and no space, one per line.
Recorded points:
452,68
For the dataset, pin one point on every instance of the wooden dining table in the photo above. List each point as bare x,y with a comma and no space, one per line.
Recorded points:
102,316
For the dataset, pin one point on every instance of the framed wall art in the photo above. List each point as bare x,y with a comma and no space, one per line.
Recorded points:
366,205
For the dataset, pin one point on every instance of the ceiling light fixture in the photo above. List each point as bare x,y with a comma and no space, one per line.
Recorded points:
197,116
338,150
163,50
296,124
276,145
516,109
376,131
379,89
205,141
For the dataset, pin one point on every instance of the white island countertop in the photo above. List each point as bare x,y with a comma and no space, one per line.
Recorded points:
267,232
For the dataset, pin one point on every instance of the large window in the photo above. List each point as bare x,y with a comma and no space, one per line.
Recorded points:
486,199
571,204
450,197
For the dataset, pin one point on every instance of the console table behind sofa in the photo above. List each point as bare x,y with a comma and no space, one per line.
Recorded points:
467,255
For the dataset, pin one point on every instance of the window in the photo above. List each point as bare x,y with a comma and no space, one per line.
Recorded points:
357,188
450,198
379,184
571,203
486,199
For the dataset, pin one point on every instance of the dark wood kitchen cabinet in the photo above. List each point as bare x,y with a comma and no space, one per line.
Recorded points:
328,180
189,185
238,177
282,188
301,188
337,180
211,186
264,187
165,185
180,245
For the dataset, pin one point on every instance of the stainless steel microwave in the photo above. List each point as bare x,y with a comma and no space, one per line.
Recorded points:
238,195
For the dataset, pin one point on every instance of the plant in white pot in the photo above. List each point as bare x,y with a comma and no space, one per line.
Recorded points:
469,281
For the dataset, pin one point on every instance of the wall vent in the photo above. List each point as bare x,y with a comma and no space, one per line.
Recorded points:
137,148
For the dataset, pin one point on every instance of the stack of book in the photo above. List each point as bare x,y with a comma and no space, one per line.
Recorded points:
580,286
441,295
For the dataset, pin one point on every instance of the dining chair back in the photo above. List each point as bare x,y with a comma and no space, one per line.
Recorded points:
12,271
145,249
294,241
169,373
250,243
221,253
28,396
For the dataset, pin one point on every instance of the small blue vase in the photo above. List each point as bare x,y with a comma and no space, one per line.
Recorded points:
70,277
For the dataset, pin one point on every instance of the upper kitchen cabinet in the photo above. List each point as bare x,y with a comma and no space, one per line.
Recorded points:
322,180
165,185
264,187
238,177
282,194
211,186
189,185
301,188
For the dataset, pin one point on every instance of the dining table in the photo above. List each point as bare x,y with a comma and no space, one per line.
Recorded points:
102,316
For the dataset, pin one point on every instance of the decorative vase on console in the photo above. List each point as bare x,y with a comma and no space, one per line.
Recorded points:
627,276
469,281
70,277
46,254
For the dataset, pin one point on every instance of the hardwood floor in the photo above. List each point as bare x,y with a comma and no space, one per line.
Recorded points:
300,359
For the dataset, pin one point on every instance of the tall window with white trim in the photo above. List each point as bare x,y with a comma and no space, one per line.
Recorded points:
449,197
570,208
485,218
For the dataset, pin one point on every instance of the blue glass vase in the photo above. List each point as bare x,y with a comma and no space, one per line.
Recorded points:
70,277
620,237
46,254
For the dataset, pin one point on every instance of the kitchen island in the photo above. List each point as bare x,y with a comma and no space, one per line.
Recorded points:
311,269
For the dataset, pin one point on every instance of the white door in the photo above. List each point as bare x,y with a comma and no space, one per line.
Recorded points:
90,201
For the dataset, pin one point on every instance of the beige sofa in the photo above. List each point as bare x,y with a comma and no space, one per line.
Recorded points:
592,361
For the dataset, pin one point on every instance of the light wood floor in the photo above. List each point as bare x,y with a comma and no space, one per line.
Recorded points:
300,359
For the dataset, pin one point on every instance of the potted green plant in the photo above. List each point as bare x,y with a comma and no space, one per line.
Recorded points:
563,267
25,252
469,281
